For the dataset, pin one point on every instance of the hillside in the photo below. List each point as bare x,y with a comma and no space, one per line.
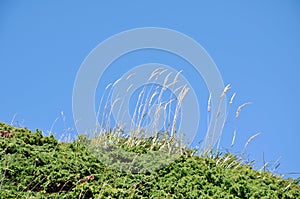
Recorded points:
37,166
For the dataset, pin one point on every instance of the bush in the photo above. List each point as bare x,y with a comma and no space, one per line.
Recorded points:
35,166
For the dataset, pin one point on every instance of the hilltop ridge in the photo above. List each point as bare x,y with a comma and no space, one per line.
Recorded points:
36,166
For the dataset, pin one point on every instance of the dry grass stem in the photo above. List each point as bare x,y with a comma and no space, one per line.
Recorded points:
181,96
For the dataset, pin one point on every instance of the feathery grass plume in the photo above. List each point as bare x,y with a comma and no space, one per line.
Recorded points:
250,139
226,89
155,72
232,98
237,114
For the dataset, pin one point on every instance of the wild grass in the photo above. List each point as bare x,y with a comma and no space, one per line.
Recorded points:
153,126
159,160
155,100
152,104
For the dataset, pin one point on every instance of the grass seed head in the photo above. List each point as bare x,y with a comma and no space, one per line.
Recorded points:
209,103
238,111
232,98
226,89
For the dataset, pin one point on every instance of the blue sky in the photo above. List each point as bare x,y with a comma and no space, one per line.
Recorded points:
255,45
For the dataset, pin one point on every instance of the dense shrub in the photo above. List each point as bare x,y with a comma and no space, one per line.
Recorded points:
36,166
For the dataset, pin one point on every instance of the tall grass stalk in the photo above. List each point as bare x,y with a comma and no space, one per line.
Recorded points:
150,100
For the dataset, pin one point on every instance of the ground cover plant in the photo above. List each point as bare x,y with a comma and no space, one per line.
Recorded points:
37,166
146,161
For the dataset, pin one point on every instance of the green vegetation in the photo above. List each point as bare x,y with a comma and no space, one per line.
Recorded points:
36,166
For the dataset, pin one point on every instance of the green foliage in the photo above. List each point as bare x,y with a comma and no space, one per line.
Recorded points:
35,166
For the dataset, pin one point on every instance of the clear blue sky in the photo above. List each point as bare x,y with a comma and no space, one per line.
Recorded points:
255,44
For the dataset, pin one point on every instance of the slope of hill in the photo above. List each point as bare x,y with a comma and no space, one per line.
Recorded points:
37,166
